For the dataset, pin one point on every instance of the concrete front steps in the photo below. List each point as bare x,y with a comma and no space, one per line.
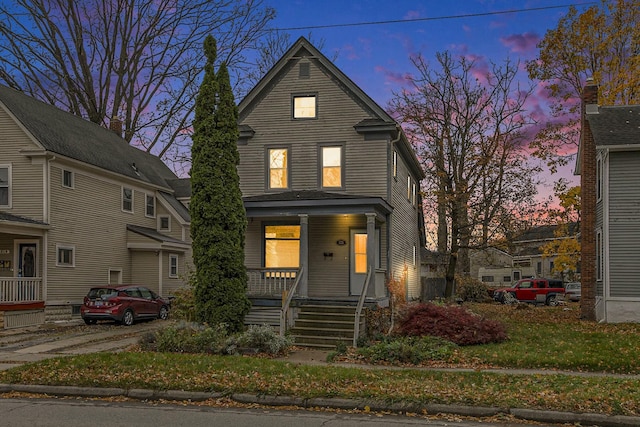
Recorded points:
325,326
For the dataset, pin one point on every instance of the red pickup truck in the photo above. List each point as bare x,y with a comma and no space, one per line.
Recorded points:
547,291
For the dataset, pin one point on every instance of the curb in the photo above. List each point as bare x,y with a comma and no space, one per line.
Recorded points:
335,403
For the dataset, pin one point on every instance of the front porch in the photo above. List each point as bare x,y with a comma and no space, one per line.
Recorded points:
315,322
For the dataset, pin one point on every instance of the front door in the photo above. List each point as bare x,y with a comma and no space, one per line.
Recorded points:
27,262
358,260
358,263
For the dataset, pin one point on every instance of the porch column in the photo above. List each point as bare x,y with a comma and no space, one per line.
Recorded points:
303,289
371,251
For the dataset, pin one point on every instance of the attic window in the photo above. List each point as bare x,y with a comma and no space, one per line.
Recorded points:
304,107
304,70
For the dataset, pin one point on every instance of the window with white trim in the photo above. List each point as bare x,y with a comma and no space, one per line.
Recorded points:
173,265
304,107
150,205
65,256
164,223
331,160
409,188
67,178
5,186
127,199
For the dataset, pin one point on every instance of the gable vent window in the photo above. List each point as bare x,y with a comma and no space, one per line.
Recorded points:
304,70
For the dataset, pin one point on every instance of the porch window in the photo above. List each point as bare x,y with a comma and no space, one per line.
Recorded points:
5,185
173,265
304,107
278,159
282,246
331,167
127,199
65,256
150,206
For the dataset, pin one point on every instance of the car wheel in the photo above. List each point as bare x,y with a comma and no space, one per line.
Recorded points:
90,321
127,318
164,313
552,300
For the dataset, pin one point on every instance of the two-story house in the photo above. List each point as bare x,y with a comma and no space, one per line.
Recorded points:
331,186
609,165
80,207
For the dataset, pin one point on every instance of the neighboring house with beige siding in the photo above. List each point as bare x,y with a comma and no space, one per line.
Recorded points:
331,186
81,207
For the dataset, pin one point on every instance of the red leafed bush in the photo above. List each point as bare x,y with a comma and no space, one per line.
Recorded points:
452,323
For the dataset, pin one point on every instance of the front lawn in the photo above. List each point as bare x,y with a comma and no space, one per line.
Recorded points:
556,338
539,337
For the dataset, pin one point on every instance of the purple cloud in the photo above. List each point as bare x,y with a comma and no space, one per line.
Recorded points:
521,43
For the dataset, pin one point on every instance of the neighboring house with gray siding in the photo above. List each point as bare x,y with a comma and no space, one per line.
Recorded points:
615,133
81,207
330,183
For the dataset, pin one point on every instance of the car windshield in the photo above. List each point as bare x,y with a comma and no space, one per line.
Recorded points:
572,286
103,293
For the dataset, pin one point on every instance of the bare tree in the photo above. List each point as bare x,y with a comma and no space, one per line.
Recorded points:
468,133
137,61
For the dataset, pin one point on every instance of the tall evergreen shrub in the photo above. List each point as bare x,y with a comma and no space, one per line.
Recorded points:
218,218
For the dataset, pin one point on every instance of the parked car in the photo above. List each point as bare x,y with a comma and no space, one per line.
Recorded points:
124,304
572,291
537,290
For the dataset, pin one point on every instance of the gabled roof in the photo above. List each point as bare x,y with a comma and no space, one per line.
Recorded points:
302,48
65,134
544,232
615,125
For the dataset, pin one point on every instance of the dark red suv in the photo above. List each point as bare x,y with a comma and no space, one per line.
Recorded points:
124,304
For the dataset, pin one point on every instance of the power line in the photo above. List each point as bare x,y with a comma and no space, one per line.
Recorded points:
436,18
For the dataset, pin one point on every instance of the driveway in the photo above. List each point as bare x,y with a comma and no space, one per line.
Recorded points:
23,345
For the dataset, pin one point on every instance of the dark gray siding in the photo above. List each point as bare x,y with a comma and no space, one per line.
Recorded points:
337,113
624,224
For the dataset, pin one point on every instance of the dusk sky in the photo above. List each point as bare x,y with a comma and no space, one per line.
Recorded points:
376,56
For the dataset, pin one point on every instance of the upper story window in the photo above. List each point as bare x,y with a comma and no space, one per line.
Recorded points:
395,164
67,178
409,188
5,186
304,107
413,193
150,204
599,179
127,199
164,223
331,166
278,160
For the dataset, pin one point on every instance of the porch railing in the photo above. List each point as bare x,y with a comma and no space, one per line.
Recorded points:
286,301
363,296
270,282
20,289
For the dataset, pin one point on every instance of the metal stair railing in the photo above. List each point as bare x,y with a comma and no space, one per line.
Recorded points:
363,295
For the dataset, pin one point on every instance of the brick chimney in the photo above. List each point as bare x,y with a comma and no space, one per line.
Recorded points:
115,125
588,178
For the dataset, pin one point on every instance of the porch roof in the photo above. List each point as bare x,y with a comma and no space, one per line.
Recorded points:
162,240
314,202
7,218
